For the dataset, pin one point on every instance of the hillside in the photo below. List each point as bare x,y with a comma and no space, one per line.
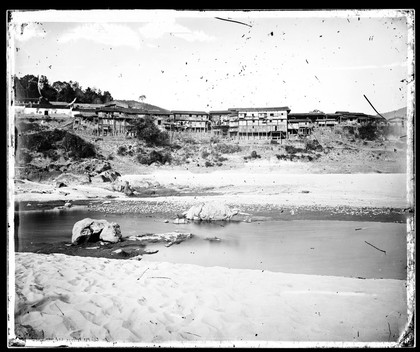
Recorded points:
138,105
402,112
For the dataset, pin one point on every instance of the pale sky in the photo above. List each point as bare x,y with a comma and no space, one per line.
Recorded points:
187,60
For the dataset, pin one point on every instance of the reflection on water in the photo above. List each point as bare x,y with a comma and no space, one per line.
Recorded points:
303,246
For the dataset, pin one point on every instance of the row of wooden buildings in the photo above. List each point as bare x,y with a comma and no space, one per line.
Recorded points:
241,123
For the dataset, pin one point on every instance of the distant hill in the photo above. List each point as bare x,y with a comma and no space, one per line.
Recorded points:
138,105
402,112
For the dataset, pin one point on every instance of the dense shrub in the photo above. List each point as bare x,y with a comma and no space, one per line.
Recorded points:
368,132
290,149
208,163
349,129
254,155
227,148
205,154
78,147
24,127
214,139
42,141
313,145
122,150
147,131
154,157
25,157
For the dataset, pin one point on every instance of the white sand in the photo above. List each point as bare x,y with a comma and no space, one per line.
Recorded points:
160,303
367,190
238,186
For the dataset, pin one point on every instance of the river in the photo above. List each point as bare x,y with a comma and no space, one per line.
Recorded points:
317,247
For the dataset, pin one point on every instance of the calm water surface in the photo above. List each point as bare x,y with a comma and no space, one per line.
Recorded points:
318,247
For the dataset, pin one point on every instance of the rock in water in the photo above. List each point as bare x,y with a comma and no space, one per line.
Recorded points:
81,231
210,211
91,230
111,233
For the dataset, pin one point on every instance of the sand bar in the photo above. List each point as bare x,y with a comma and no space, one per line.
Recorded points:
97,299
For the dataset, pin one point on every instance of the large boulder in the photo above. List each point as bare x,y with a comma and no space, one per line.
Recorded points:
102,166
210,212
111,233
128,191
91,230
107,176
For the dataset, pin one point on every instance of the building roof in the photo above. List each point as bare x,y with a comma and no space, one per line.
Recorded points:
85,113
87,106
220,112
281,108
303,114
157,112
120,109
299,120
60,104
189,112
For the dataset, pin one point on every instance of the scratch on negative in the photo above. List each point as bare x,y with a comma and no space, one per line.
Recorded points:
226,19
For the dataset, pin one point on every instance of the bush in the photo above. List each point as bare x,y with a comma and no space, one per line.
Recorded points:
30,127
368,132
313,145
42,141
205,154
147,131
154,157
78,147
143,159
208,163
122,150
349,129
254,155
25,157
290,149
227,148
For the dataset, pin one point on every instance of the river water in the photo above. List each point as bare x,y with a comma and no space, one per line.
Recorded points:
318,247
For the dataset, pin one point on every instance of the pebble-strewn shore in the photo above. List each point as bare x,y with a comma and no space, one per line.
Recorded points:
272,211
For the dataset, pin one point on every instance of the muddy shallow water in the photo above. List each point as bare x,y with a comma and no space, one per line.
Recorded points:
322,247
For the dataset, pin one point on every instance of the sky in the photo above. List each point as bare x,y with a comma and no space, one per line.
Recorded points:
215,60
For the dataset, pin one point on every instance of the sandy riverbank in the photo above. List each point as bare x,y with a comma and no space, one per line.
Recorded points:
71,298
368,190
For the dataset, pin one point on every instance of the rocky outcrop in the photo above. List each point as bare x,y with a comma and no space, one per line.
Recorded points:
102,166
91,230
106,176
68,179
210,212
169,237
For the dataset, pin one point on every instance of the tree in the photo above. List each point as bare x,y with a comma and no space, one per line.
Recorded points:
147,131
46,90
65,91
107,97
30,86
142,98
